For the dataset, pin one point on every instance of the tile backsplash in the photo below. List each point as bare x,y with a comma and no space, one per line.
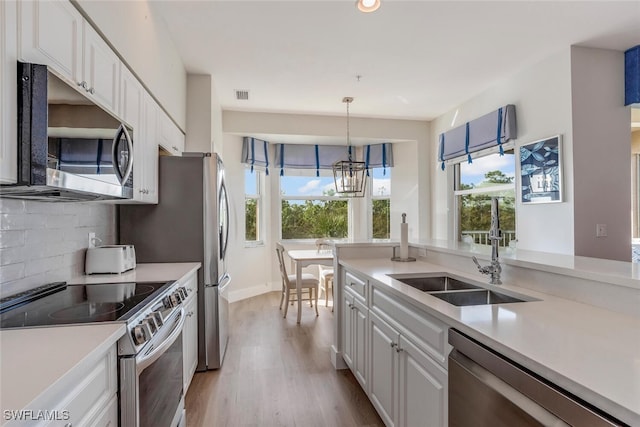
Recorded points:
42,242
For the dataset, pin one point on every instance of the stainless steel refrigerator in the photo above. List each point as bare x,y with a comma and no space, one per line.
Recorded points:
190,223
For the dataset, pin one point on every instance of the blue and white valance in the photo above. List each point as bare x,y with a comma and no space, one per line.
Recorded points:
255,152
493,129
307,156
378,156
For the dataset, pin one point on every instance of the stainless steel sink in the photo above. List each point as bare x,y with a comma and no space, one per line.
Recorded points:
476,297
455,291
428,282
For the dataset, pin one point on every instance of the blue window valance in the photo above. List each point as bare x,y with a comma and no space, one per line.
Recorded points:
378,156
255,152
493,129
306,156
632,76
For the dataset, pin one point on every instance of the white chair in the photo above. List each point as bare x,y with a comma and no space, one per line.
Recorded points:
309,283
325,273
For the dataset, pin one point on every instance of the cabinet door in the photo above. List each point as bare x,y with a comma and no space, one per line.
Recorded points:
149,160
51,34
383,381
8,90
169,135
190,342
101,69
360,324
422,388
347,328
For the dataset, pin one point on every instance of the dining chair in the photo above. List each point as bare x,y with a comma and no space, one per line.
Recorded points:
325,273
309,283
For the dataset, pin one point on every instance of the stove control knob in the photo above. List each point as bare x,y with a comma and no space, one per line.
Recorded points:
151,323
157,315
183,292
176,295
138,335
166,301
175,299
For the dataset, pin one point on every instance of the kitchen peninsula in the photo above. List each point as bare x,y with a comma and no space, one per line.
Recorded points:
559,333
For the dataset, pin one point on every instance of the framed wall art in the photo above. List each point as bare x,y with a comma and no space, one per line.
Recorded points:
541,171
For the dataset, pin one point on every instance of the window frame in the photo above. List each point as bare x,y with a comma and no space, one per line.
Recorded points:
370,198
259,197
311,174
458,193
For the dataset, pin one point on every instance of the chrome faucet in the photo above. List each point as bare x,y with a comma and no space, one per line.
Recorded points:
495,235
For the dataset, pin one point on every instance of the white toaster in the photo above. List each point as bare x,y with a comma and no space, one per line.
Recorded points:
110,259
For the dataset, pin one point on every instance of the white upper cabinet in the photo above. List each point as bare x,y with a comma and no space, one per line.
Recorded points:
51,34
54,33
170,137
8,89
101,69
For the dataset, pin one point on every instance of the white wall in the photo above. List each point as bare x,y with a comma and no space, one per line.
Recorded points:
250,267
44,242
601,153
141,37
542,96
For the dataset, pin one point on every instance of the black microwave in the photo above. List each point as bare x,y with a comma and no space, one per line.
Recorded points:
69,148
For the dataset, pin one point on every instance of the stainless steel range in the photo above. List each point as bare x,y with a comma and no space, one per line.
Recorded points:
149,354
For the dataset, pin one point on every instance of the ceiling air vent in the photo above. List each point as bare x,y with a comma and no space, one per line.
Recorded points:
242,95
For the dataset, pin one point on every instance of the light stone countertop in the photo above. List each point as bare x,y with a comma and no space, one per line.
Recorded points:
34,359
148,272
589,351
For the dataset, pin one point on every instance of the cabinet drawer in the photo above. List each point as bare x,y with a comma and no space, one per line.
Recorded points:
357,285
109,415
85,392
429,333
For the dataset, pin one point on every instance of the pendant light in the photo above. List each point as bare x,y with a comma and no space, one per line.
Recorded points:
349,175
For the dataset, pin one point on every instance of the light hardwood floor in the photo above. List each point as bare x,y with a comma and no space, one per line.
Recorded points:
277,373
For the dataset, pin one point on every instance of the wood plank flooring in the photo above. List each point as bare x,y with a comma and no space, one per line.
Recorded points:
277,373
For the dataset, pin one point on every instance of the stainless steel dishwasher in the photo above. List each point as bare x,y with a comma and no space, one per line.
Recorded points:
487,389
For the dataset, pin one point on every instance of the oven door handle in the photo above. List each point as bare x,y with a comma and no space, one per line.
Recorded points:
147,359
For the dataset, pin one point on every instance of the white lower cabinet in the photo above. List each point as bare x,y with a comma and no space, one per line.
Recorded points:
190,332
397,353
407,387
356,315
86,396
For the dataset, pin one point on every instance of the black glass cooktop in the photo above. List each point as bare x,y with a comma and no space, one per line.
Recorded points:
60,304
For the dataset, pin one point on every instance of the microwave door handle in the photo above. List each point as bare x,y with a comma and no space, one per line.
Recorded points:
114,158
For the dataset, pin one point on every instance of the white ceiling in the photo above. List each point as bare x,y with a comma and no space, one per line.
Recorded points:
417,59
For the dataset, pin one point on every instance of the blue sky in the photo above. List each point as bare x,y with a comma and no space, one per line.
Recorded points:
474,173
315,186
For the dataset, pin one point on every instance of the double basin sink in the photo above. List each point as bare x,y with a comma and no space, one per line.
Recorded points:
456,291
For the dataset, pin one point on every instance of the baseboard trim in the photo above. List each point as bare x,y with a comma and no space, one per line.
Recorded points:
253,291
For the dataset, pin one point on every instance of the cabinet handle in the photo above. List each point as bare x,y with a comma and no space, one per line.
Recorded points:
393,344
175,148
399,349
189,314
349,305
92,91
83,85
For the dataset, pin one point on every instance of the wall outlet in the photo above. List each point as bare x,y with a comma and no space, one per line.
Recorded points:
601,230
92,240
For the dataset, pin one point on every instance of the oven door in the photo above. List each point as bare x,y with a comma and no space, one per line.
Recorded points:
151,382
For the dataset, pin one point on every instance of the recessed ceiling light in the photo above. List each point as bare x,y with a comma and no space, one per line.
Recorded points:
368,5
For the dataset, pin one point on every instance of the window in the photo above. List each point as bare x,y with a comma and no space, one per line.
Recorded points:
380,181
253,205
476,183
310,208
